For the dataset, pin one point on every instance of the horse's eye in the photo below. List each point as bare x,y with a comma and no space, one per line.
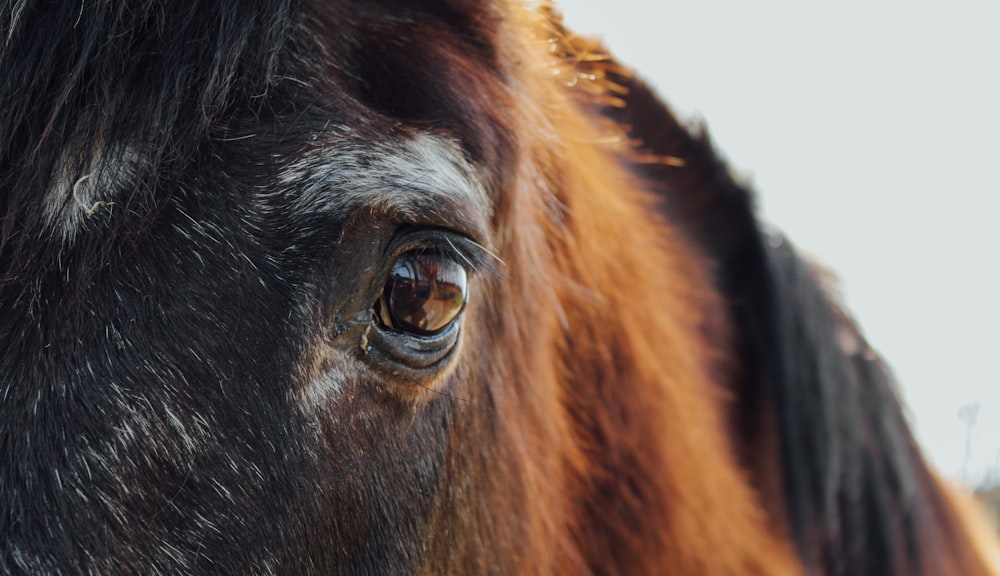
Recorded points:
424,294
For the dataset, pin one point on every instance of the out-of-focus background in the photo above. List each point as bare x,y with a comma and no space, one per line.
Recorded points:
872,132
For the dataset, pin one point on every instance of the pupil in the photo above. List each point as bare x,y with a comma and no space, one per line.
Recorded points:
425,293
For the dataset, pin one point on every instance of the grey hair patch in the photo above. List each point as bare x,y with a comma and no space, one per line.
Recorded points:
85,184
427,172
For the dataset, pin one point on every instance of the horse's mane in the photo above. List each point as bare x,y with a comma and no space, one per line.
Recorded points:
858,495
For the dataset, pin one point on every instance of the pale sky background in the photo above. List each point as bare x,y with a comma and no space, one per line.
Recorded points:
871,130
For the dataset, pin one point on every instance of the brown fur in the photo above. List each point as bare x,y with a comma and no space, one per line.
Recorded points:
649,480
646,481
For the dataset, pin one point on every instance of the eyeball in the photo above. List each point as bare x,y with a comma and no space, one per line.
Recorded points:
424,293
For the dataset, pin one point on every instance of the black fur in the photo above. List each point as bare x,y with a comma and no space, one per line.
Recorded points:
149,421
101,391
158,75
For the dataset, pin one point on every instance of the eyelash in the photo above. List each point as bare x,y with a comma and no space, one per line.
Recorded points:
464,251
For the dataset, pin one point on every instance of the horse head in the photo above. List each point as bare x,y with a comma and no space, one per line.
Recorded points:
395,287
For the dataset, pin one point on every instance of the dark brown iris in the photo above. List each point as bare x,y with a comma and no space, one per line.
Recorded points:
424,293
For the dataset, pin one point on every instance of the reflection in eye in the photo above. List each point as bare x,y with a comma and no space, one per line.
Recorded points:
424,293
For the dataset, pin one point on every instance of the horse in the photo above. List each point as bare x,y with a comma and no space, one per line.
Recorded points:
423,286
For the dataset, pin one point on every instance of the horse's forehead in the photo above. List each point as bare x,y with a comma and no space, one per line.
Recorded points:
435,66
415,91
384,71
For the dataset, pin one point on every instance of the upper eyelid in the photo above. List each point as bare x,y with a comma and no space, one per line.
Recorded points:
464,250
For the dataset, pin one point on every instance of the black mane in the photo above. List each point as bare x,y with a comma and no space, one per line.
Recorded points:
859,496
